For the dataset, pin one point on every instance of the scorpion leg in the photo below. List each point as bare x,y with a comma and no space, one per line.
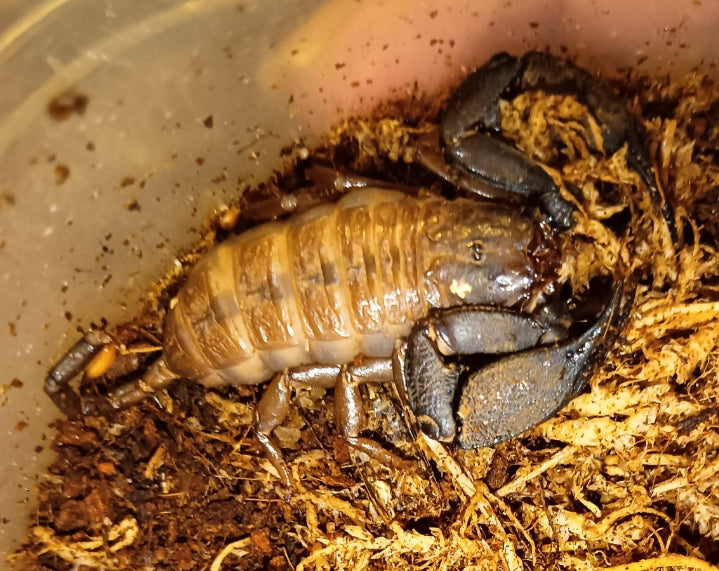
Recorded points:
349,413
270,412
328,185
472,115
274,406
521,390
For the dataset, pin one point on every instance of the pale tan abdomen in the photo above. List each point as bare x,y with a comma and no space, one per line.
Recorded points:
335,282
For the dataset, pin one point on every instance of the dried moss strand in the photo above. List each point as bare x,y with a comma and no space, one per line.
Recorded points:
518,483
680,315
236,548
672,560
448,465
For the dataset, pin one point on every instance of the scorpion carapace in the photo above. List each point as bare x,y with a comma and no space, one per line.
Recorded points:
385,286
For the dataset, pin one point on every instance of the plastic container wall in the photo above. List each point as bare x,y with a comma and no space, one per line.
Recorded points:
124,124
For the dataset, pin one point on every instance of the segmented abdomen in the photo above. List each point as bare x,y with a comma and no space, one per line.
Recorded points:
337,281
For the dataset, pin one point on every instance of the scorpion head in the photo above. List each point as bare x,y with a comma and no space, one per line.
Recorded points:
486,256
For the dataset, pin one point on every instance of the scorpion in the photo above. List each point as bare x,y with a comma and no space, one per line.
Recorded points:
388,287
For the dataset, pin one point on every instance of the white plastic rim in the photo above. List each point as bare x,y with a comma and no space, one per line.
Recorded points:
182,104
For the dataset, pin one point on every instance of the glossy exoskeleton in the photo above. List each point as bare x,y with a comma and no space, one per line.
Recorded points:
390,287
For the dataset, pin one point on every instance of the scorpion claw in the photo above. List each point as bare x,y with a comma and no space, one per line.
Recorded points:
472,116
498,164
429,383
521,390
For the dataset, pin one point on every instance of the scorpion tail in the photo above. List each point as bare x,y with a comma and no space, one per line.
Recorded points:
157,376
57,382
77,361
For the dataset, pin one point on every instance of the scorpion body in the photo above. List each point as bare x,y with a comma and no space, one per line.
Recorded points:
386,286
343,280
